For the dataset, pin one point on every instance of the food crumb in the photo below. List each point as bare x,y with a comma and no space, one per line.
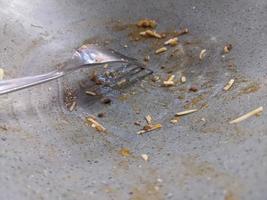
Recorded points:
145,157
202,54
227,48
149,128
73,105
229,85
149,33
101,115
106,100
155,78
183,79
148,119
203,119
248,115
137,123
94,124
70,99
105,66
125,152
193,88
169,82
90,93
175,120
146,23
161,50
119,83
3,127
95,78
183,31
172,41
186,112
147,58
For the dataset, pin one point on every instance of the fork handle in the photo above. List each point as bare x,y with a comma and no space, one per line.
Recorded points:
7,86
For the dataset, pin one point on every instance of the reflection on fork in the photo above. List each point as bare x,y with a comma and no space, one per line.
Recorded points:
84,57
119,78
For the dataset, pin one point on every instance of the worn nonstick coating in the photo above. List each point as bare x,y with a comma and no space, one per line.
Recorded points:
47,152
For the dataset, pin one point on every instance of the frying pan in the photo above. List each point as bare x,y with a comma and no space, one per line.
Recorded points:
47,152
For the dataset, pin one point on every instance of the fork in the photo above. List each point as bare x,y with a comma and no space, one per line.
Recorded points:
86,56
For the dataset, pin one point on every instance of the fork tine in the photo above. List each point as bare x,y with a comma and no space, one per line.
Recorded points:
126,75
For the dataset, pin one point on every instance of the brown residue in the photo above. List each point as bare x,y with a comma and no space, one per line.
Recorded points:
70,99
97,40
147,191
125,152
173,34
196,101
193,168
119,26
146,23
231,196
252,88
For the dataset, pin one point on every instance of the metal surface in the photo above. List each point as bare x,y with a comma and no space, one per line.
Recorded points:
47,152
85,57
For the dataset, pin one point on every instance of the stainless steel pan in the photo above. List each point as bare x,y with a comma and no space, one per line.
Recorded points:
47,152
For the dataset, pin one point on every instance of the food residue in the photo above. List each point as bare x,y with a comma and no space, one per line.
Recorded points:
149,128
183,79
169,82
186,112
94,124
155,78
95,78
106,100
251,88
124,152
229,85
146,23
145,157
70,99
90,93
147,58
73,106
248,115
227,48
202,54
182,31
101,115
148,119
149,33
137,123
172,41
161,50
105,66
175,120
193,88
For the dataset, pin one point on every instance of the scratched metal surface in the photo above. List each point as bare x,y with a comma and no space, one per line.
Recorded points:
47,152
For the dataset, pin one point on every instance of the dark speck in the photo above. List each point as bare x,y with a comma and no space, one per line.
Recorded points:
101,115
106,101
193,88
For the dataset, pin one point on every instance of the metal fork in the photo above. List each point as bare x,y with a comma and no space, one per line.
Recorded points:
86,56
